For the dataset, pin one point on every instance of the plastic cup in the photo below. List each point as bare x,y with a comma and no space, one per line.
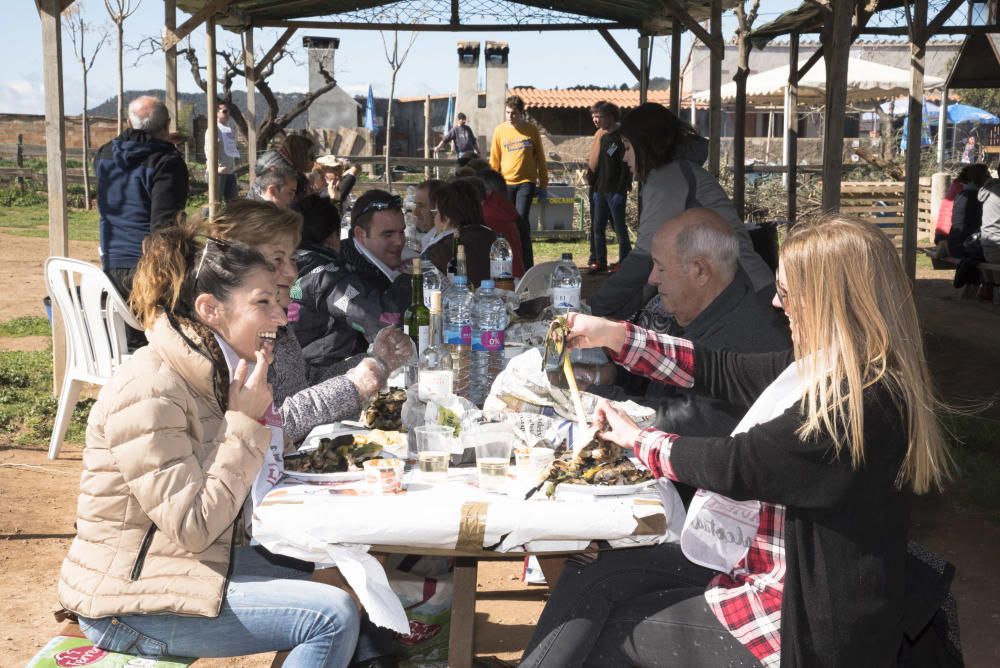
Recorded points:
522,463
493,462
541,460
433,452
384,476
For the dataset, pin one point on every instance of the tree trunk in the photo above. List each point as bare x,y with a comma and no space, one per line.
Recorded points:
86,141
120,24
388,129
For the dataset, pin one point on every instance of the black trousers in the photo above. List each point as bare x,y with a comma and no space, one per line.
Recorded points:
635,607
122,278
520,196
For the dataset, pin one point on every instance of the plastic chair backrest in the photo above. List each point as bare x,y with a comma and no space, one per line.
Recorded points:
94,316
535,282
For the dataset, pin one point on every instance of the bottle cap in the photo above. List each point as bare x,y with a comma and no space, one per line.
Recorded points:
461,251
567,256
435,301
460,280
487,283
418,267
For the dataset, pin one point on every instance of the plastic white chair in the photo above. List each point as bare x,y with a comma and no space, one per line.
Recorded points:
94,316
535,282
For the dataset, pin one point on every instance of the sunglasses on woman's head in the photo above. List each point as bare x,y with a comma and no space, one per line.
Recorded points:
222,244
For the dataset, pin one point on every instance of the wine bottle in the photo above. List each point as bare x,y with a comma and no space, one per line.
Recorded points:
417,319
435,378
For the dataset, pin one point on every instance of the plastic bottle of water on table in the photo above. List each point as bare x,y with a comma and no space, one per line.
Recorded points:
489,320
432,281
565,285
502,264
458,332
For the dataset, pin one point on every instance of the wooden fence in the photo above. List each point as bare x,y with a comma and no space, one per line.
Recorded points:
882,203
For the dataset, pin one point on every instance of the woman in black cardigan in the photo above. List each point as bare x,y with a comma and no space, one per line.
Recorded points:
827,458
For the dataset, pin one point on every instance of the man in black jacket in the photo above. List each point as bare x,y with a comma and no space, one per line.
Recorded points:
343,304
142,183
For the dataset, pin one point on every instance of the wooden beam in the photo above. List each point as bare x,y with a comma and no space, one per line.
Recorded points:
620,52
837,46
643,68
715,96
946,13
444,27
914,125
677,11
943,30
463,613
808,65
172,37
791,148
427,135
212,106
675,69
49,12
170,63
251,115
275,50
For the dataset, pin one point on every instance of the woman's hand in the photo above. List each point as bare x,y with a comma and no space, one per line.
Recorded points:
392,348
250,393
587,331
621,429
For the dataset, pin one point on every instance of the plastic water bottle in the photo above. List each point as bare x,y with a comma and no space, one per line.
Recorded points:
458,332
489,320
432,281
565,285
502,264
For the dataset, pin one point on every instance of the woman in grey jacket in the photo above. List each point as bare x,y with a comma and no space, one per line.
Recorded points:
665,155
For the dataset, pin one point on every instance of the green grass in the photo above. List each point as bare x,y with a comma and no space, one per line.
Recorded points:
27,405
33,221
974,445
26,326
553,250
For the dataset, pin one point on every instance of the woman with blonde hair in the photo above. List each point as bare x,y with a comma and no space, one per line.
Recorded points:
794,550
176,443
298,151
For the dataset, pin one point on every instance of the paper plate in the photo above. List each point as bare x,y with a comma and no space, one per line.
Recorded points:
326,478
604,490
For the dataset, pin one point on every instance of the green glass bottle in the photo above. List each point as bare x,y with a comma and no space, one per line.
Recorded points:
417,318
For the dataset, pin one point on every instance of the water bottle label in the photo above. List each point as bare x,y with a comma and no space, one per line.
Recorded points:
423,338
489,341
459,336
427,297
568,298
500,269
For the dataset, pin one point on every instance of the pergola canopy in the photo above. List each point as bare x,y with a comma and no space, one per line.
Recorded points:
647,16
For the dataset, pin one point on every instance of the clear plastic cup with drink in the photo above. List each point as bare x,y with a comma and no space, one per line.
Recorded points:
493,462
433,451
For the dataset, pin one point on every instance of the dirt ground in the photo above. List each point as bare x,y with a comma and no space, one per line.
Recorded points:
38,496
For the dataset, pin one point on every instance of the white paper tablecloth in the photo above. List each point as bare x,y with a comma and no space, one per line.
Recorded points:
335,525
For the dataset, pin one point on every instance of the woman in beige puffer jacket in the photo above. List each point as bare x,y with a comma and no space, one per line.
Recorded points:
173,447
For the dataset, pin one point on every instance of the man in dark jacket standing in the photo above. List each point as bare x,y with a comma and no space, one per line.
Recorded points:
612,182
342,305
142,183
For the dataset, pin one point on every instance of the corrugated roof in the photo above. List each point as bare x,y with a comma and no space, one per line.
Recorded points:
542,98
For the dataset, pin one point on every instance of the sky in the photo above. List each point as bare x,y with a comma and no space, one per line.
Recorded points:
543,60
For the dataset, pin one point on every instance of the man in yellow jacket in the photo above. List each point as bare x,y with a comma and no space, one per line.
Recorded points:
516,152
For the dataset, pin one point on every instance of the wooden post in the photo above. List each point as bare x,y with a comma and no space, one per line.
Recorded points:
427,135
461,638
675,68
170,62
942,128
714,84
19,160
251,115
914,125
740,127
791,148
643,68
49,12
212,104
837,51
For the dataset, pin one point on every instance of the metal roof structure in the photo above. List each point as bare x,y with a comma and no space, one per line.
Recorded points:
650,17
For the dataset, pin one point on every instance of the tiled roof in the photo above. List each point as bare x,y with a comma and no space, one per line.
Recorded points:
583,99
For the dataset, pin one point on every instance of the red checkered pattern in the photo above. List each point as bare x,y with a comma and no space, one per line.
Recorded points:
748,600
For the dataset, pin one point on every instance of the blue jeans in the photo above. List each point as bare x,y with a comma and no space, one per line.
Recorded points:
267,608
605,206
520,196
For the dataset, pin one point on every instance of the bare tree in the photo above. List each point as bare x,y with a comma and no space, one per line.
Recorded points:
395,61
119,10
745,20
274,122
78,29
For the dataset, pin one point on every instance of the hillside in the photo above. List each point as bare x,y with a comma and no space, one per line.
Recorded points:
197,100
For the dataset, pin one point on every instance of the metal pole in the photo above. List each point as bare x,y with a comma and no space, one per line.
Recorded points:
791,148
715,97
942,128
675,68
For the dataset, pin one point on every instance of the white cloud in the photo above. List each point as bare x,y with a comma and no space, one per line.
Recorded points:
22,97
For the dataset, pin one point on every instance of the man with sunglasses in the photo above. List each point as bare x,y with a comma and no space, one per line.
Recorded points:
227,153
343,305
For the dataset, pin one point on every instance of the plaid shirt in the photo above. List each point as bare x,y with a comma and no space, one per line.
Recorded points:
748,600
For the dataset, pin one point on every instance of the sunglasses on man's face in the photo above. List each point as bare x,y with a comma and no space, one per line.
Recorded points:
395,202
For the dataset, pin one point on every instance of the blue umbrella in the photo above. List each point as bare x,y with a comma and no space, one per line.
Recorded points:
964,113
370,110
449,114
